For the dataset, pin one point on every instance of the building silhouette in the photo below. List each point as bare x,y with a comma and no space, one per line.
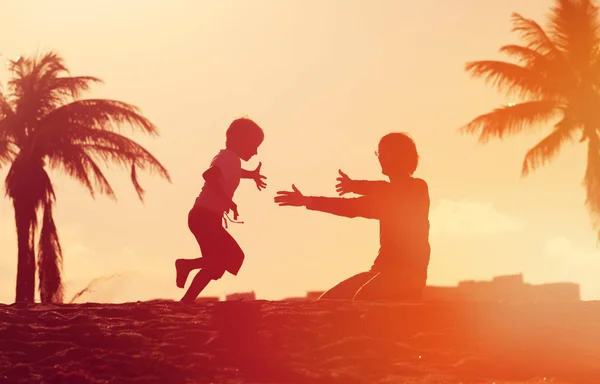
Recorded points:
510,288
241,296
506,288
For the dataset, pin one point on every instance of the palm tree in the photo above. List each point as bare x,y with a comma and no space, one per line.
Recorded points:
45,125
557,79
6,150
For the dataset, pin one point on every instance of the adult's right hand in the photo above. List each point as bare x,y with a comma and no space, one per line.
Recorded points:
293,198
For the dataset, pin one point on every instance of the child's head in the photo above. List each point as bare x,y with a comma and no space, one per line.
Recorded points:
397,155
244,137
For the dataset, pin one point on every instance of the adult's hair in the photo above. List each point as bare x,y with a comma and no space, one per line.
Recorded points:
400,148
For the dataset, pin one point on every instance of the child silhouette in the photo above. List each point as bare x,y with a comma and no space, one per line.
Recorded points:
402,208
220,252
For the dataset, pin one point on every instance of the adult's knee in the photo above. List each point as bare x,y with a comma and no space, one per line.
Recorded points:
385,287
346,290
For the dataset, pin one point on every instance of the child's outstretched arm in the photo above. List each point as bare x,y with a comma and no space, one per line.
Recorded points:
355,207
359,187
256,176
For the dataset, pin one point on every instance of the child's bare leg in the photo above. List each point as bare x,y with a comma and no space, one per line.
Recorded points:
184,267
201,280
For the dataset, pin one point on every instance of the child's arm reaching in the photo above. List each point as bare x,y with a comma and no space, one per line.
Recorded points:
256,176
359,187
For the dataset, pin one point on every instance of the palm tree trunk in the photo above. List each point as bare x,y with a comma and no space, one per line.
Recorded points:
49,259
25,224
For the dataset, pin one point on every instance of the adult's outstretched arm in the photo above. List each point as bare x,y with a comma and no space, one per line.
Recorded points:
363,206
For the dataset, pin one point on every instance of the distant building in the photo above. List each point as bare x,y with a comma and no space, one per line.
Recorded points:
241,296
510,288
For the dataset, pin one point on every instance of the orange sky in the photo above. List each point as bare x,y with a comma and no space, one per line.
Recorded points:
326,79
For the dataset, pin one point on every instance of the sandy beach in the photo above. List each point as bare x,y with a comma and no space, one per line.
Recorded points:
300,342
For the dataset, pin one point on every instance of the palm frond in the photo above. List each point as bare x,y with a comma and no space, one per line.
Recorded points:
70,86
9,127
556,73
136,183
78,164
535,37
114,147
512,79
574,27
28,71
86,146
49,259
20,68
6,110
139,158
547,149
7,148
126,152
526,56
511,120
39,87
100,114
542,64
57,91
7,152
136,155
49,62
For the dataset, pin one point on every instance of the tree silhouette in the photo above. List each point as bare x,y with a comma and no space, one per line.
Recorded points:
45,125
557,77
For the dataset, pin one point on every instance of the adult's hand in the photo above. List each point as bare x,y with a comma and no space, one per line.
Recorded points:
293,198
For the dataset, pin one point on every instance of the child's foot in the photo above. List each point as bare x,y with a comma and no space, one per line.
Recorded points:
182,272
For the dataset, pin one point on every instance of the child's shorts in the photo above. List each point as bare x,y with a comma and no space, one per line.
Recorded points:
219,249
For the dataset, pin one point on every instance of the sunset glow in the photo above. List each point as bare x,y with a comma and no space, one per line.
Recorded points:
325,80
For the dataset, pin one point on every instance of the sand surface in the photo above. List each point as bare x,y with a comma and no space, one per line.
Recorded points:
300,342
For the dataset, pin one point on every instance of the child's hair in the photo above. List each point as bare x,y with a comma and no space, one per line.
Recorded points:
242,129
400,148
